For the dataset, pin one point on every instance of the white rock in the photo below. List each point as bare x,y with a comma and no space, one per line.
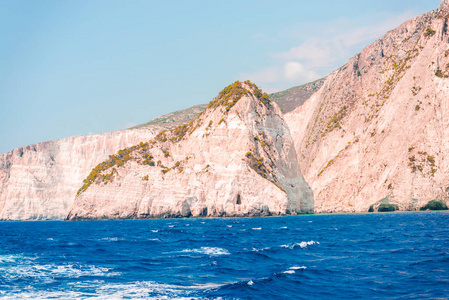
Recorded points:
40,181
213,177
397,111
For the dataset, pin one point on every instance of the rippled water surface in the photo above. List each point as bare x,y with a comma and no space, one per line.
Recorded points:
397,255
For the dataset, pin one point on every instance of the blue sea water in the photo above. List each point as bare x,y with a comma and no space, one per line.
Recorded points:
391,255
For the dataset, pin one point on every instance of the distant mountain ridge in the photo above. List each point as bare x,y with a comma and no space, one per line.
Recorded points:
174,119
294,97
287,100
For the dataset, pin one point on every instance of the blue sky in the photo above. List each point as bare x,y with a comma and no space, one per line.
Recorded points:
78,67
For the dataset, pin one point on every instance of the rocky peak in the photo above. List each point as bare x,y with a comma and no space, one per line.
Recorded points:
231,94
235,159
444,5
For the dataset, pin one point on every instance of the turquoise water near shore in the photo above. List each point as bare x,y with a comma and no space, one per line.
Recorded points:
392,255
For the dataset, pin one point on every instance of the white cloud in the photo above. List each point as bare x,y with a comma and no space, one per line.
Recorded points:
294,71
313,51
266,75
330,45
322,48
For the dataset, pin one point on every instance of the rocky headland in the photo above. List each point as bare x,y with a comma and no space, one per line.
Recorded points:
371,136
237,158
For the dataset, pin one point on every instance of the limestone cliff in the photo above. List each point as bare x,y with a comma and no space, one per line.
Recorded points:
236,159
40,181
377,131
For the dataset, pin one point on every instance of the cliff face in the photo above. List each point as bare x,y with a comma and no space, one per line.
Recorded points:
377,131
40,181
235,159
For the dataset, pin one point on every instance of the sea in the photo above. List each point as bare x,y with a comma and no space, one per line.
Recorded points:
334,256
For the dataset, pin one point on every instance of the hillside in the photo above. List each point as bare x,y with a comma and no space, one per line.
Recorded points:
377,131
294,97
174,119
235,159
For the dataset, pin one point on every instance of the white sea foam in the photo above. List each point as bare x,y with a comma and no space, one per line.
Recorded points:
229,226
208,251
298,268
133,290
112,239
9,258
302,244
257,228
262,249
292,269
28,268
154,230
171,226
285,227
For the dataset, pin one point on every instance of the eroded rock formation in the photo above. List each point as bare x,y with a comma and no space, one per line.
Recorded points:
41,181
236,159
377,131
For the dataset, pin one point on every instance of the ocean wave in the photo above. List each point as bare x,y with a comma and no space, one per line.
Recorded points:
302,245
293,269
48,272
261,249
298,268
154,240
208,251
10,258
133,290
111,239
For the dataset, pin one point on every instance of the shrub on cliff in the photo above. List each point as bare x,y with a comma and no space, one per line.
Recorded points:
434,205
387,207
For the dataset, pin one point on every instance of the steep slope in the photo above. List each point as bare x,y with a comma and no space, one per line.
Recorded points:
294,97
236,159
40,181
174,119
377,131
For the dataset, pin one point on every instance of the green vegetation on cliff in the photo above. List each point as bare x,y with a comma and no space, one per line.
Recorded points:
434,205
231,94
227,98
